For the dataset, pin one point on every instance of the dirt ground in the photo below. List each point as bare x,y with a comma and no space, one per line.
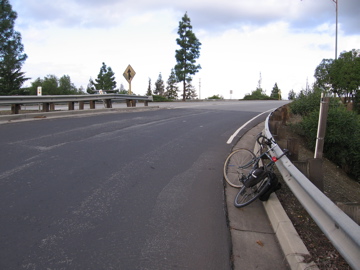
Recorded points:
339,187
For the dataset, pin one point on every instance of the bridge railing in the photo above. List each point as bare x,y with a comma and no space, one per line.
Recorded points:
339,228
48,101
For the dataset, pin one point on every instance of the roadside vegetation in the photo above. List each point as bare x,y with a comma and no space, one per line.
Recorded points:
260,94
339,79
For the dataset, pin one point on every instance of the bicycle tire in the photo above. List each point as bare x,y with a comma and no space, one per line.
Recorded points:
245,196
237,166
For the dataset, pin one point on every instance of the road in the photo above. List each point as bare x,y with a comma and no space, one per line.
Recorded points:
141,190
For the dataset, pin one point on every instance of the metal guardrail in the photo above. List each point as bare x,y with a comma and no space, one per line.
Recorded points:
46,100
340,229
67,98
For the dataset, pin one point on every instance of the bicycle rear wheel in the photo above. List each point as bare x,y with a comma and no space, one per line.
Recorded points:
237,166
246,195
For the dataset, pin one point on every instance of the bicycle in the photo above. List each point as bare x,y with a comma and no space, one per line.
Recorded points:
253,174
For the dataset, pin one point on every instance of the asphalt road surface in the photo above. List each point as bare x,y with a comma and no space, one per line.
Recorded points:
140,190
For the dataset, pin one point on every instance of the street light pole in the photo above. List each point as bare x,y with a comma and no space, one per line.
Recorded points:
336,34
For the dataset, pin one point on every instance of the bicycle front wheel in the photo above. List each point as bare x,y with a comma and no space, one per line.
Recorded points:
237,166
246,195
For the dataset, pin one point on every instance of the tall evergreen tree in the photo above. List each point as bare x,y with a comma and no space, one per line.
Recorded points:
172,88
190,90
149,92
105,79
159,86
275,92
90,89
187,54
291,95
12,55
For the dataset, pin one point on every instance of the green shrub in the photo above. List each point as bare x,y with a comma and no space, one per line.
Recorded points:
216,97
157,98
257,94
342,138
306,102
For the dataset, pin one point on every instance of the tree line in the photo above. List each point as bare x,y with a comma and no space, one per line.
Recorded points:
12,58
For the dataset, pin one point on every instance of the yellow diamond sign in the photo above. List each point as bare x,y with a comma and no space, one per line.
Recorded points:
129,73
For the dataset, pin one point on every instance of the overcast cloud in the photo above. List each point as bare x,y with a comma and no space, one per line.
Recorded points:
248,37
206,14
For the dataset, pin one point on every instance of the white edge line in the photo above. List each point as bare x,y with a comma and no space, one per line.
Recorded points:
244,125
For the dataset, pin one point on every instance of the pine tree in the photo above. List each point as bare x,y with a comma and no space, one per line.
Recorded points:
291,95
275,93
12,55
190,90
172,88
105,79
187,54
149,92
90,89
159,86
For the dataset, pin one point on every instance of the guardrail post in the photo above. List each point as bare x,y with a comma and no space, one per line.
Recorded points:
81,105
131,103
46,107
52,106
351,209
108,103
274,126
92,104
71,105
281,132
146,103
316,175
15,108
293,147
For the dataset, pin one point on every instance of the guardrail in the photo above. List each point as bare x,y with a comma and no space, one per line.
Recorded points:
340,229
48,101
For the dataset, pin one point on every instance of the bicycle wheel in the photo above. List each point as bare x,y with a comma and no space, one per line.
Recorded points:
246,195
237,166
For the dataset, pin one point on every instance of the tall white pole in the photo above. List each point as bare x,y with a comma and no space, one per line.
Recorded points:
336,33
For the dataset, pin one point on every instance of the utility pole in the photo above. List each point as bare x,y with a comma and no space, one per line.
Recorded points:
336,33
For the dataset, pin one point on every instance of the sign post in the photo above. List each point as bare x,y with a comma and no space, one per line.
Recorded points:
129,74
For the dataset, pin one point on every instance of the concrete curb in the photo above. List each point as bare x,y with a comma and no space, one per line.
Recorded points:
291,244
42,115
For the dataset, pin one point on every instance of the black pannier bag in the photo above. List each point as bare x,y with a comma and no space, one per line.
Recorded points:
272,186
255,177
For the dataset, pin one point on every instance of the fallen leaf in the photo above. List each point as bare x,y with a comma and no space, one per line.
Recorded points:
260,243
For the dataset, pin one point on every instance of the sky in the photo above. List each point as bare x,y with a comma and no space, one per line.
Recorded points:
242,41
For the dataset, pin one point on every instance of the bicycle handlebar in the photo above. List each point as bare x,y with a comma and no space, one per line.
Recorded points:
266,140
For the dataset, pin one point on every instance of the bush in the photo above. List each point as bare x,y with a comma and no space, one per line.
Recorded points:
216,97
306,102
342,138
257,94
157,98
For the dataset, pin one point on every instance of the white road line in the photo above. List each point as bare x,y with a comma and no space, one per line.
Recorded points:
244,125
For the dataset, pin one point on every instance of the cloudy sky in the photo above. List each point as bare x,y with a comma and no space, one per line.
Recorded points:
282,40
